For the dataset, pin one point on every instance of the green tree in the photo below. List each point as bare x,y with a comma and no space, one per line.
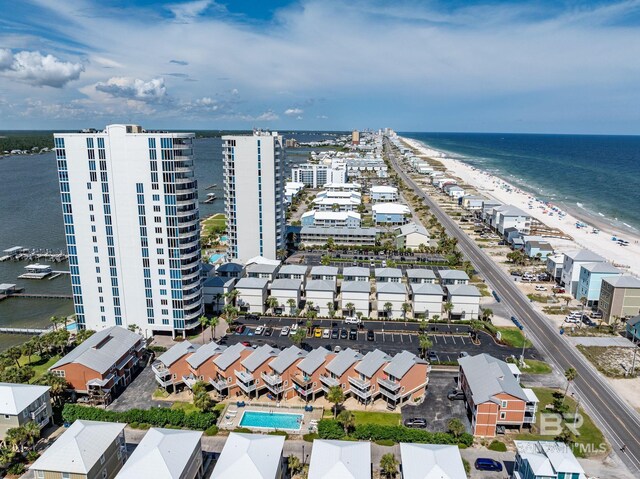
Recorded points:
294,464
331,308
570,374
349,307
566,436
213,324
29,349
448,307
133,327
14,353
389,465
487,313
230,313
272,303
83,335
387,308
232,296
297,337
335,396
57,384
347,420
406,307
292,306
32,433
455,427
425,344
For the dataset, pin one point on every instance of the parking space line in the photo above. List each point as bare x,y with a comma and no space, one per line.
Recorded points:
453,338
402,338
462,339
444,338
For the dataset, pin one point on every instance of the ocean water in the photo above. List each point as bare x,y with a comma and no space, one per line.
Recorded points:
593,176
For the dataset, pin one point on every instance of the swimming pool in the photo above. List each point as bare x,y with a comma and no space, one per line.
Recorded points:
214,258
271,420
224,238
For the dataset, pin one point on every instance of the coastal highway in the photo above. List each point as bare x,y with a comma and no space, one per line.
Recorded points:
619,421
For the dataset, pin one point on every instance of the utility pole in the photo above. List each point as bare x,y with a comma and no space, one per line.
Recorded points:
524,344
635,352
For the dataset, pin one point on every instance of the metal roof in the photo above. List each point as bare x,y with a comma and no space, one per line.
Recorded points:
79,448
204,353
252,283
401,363
293,269
343,361
15,398
601,267
286,358
463,290
313,361
431,461
391,288
453,274
259,356
355,287
421,273
262,268
162,454
388,273
623,281
427,288
340,460
371,362
229,356
584,255
286,283
320,285
356,271
176,351
372,232
249,456
549,458
101,351
488,376
324,271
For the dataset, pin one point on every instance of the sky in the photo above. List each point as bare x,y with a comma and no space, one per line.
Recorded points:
469,66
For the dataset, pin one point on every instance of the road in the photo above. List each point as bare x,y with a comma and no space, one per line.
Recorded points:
619,422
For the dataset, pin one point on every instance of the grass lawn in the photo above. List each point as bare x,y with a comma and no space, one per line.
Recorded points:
187,407
39,365
590,437
215,222
513,337
379,418
538,298
536,367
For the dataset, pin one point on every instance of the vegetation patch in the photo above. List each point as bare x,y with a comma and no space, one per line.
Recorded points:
497,446
380,418
513,337
613,362
533,366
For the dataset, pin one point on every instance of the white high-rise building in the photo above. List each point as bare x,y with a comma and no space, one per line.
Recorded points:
254,194
130,206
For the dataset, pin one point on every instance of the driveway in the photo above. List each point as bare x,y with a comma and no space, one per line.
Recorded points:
139,394
436,408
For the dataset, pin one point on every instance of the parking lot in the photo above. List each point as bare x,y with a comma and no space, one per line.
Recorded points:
390,336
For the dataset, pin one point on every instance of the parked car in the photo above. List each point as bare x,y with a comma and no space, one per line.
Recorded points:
352,320
353,334
455,395
337,349
463,354
259,330
268,331
486,464
371,335
432,357
317,333
246,343
326,334
559,290
343,334
241,329
335,333
540,288
285,331
596,314
418,422
293,328
252,316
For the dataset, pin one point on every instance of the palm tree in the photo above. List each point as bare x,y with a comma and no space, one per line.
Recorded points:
29,349
232,296
570,374
133,327
448,307
14,353
294,465
487,313
455,427
297,337
230,313
388,307
331,309
216,299
202,400
32,433
583,301
272,303
425,343
347,419
204,322
6,456
335,395
213,323
389,465
406,307
349,307
55,320
57,384
292,304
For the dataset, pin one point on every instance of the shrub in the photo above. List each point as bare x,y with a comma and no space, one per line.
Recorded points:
330,429
243,430
278,433
498,446
16,469
385,442
211,431
312,436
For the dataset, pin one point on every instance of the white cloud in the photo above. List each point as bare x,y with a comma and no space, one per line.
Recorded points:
294,111
150,91
268,115
36,69
186,12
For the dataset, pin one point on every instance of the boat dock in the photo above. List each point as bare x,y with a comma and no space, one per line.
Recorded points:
29,331
211,197
20,253
33,296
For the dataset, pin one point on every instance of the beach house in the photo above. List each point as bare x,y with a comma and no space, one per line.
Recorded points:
356,273
201,365
340,459
390,213
278,378
292,271
230,270
471,202
338,370
538,249
331,219
326,273
383,194
390,297
465,299
405,378
509,216
571,268
388,275
165,454
223,375
321,293
590,280
255,456
632,329
261,270
349,203
86,450
619,297
426,461
454,191
364,382
358,295
288,293
427,299
312,235
103,365
546,460
554,266
494,396
215,290
307,379
23,403
418,276
248,376
252,294
412,236
453,277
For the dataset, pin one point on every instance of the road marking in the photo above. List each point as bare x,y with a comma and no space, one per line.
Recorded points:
453,338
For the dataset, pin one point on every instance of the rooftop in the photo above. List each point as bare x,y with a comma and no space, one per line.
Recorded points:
371,362
427,288
176,351
324,271
355,287
252,283
356,271
421,274
286,284
585,256
230,356
249,456
204,353
313,361
15,398
453,274
343,361
388,273
623,281
293,269
261,268
286,358
390,209
431,461
548,458
259,356
409,228
488,376
463,290
391,288
601,267
401,363
320,285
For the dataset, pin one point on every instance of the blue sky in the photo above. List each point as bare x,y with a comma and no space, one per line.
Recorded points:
539,66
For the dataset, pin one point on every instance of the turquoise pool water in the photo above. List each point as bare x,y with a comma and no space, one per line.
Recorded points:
215,257
224,238
271,420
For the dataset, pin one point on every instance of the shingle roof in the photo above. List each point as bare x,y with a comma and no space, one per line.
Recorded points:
15,398
343,361
162,454
391,288
320,285
463,290
176,351
286,284
427,288
355,287
421,273
252,283
229,356
313,361
488,376
230,267
204,353
259,356
371,362
324,271
388,273
286,358
401,363
453,274
102,349
249,456
79,448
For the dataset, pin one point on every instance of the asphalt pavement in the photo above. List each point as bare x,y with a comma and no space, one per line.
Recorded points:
614,416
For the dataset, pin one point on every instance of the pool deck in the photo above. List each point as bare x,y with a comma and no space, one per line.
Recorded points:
232,415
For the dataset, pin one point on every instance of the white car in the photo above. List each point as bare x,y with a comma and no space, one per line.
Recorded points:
352,320
571,319
293,328
540,288
259,330
326,334
285,331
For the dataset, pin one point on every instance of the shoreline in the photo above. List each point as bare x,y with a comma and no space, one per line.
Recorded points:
627,258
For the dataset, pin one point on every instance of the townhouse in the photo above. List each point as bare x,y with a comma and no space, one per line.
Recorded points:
508,216
356,273
222,377
171,366
619,297
200,363
413,236
250,456
590,280
331,219
252,294
421,276
248,376
215,290
339,369
278,378
422,461
230,270
546,460
493,395
404,378
390,213
307,380
86,450
288,292
340,459
263,270
355,297
293,271
336,204
554,264
383,194
453,276
313,235
103,365
321,293
571,264
166,454
325,273
465,299
426,299
23,403
388,275
390,297
363,384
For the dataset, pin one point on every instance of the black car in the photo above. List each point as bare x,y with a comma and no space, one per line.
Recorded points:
353,334
251,316
432,357
455,394
371,335
418,422
334,334
268,331
343,334
486,464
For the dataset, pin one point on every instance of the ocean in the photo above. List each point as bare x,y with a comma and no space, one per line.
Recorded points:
592,176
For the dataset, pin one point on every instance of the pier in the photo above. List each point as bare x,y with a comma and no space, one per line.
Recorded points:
20,253
34,296
29,331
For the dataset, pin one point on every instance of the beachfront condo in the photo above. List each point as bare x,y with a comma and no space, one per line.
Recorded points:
254,194
130,207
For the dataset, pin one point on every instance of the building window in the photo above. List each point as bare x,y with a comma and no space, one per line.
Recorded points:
504,403
102,459
503,415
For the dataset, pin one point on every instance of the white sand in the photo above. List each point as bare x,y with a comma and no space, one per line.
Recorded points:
626,258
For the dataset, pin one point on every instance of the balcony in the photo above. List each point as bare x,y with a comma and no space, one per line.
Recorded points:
38,410
390,385
390,395
360,383
244,376
160,370
364,395
219,384
329,381
271,379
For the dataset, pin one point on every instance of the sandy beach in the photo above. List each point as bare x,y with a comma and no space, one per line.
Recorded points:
627,258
